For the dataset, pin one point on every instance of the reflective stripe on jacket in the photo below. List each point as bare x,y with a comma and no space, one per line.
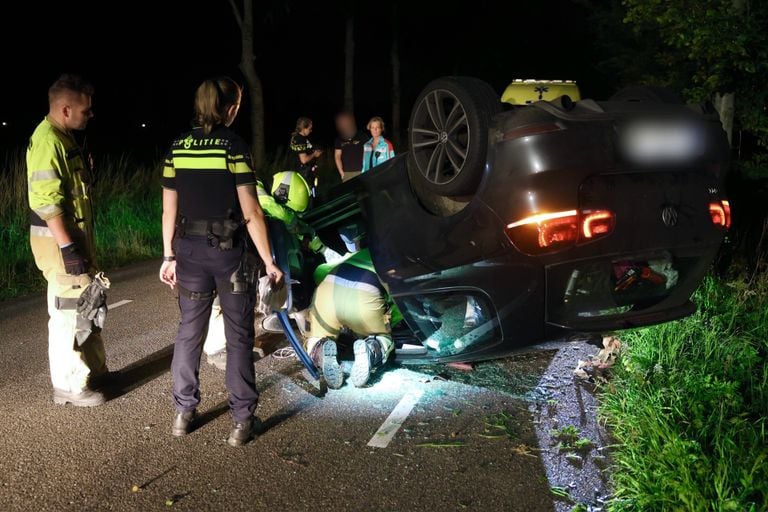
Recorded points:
57,178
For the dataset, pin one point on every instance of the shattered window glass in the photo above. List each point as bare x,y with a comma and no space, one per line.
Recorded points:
453,322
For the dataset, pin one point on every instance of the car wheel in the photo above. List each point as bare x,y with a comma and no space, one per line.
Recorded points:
647,94
448,135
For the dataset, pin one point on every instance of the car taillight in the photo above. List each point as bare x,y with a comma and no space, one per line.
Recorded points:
720,213
596,224
548,232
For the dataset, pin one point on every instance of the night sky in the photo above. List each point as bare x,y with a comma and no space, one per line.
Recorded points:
147,58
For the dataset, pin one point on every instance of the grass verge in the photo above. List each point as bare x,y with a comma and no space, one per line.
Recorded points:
689,407
127,208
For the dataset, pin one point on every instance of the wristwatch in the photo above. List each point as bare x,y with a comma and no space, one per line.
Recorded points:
169,258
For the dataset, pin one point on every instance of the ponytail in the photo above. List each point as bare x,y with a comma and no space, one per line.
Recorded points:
212,100
302,123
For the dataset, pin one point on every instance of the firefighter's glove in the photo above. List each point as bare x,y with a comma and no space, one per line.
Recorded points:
74,263
92,304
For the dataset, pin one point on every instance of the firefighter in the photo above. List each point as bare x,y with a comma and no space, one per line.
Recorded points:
61,236
350,296
210,210
290,196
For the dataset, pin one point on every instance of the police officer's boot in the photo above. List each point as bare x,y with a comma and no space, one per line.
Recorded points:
241,433
324,355
182,422
369,356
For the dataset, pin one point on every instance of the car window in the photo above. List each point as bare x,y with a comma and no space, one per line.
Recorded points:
450,323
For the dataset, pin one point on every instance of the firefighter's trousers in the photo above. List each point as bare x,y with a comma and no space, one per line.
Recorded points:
71,365
359,306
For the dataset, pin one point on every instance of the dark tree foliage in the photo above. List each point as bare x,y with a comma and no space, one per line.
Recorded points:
702,48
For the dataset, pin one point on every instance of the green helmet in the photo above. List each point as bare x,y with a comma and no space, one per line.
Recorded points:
290,189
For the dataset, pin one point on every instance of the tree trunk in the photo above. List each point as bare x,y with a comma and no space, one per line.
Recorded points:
349,65
395,61
255,93
725,106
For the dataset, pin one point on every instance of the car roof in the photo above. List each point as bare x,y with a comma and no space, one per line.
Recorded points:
524,92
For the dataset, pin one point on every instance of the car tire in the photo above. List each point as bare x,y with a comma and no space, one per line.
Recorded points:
448,135
647,94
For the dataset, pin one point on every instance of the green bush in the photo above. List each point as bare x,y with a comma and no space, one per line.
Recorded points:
689,407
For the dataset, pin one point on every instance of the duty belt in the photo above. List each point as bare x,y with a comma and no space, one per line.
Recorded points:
220,233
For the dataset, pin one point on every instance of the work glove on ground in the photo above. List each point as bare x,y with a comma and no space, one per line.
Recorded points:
74,262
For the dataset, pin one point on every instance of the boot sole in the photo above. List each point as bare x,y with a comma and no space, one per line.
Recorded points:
332,372
361,368
64,401
235,443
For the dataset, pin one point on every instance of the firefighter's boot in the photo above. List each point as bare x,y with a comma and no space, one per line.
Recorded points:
369,356
324,355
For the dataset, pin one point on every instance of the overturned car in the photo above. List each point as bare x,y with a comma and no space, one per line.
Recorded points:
506,225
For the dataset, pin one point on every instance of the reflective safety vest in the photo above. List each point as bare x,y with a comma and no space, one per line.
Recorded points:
360,259
58,181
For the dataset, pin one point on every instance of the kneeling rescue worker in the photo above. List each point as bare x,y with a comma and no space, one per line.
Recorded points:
350,296
210,208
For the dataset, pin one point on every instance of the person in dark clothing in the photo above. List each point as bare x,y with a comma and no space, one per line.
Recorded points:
210,207
304,153
348,149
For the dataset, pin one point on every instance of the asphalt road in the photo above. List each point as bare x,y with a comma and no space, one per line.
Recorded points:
475,441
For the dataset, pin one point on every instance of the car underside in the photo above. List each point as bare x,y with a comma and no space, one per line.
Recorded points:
503,227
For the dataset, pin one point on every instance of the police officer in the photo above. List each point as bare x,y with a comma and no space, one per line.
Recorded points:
304,152
61,236
290,196
209,203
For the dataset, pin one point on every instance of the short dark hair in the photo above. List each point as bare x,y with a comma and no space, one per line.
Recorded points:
72,83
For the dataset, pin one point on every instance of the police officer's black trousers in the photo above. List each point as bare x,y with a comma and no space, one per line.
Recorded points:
202,269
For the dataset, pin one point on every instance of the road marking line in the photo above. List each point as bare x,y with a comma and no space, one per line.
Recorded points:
118,304
392,424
